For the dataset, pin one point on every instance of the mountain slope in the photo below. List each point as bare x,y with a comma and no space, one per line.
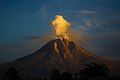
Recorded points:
59,53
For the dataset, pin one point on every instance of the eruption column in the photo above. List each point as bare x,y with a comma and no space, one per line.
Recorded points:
60,25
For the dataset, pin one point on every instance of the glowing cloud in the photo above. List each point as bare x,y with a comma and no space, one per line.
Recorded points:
60,25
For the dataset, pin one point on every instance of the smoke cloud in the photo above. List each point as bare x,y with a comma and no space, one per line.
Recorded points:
60,26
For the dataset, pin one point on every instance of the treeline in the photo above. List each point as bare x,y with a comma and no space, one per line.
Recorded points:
91,71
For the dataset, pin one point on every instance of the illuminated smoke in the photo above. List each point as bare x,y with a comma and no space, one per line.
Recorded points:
60,25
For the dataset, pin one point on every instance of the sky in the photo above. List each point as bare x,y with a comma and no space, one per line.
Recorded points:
25,25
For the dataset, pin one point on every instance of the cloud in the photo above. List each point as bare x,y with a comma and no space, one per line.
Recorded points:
94,13
43,12
87,24
90,24
43,9
85,11
87,19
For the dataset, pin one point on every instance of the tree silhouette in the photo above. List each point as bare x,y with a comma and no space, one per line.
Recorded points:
4,79
28,79
39,78
45,79
76,76
66,76
12,74
55,74
94,70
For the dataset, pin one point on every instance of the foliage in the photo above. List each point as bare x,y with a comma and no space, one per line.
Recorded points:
91,71
12,74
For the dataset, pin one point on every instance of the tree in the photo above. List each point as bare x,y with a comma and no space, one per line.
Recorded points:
66,76
12,74
94,70
39,78
76,76
55,74
45,79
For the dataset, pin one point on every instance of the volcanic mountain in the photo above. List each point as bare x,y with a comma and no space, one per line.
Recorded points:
58,53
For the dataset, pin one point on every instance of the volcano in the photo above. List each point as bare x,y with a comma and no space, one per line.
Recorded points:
61,54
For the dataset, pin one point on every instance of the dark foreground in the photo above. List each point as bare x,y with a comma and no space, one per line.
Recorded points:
92,71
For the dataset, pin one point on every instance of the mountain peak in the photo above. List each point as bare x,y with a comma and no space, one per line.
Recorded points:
54,44
59,53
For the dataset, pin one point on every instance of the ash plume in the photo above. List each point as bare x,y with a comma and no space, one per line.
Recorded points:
60,26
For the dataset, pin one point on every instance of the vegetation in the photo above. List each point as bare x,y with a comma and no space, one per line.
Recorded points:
91,71
12,74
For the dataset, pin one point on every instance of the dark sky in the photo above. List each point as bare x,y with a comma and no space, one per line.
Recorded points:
25,25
